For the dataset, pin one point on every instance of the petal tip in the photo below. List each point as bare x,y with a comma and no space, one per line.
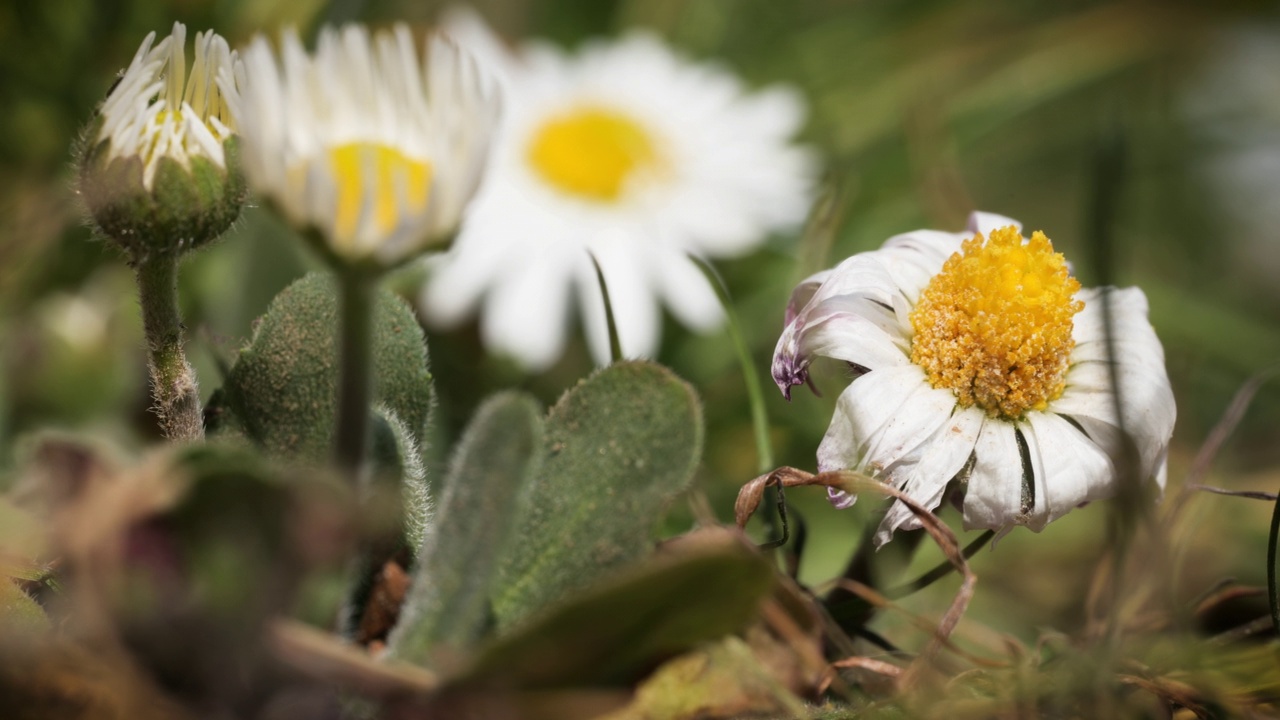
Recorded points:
787,373
841,499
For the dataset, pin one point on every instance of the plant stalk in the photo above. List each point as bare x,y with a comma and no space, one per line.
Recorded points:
173,382
775,513
355,381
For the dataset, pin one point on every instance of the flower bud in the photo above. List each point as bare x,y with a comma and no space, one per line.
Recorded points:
160,171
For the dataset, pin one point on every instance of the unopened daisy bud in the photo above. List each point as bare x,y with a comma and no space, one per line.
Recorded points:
160,172
370,145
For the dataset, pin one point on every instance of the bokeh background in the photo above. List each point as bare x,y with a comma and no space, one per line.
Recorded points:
921,111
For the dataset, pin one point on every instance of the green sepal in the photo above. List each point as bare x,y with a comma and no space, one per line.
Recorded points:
185,208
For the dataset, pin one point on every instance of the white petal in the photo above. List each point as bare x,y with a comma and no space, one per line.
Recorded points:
993,499
461,277
986,223
846,335
803,293
470,31
926,480
1070,469
526,313
635,310
880,418
687,292
912,259
849,317
909,431
1148,408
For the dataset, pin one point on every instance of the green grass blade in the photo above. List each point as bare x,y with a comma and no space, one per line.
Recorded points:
615,347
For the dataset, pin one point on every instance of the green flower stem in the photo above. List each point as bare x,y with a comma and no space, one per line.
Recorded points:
755,396
173,382
775,513
355,382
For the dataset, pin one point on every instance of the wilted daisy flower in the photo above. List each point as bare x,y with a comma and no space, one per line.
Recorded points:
370,145
633,154
979,361
159,173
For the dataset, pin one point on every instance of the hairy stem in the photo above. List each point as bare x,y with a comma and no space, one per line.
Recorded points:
355,353
173,382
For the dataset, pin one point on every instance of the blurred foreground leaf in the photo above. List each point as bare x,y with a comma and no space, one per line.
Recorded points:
18,612
56,679
621,445
616,631
172,566
725,679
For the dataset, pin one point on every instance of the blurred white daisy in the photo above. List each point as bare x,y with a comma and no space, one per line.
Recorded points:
633,154
369,144
156,110
980,361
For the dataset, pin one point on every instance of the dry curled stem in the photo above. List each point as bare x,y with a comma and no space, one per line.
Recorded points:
749,498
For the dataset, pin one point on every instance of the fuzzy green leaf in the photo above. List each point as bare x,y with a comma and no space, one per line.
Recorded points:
621,446
497,457
282,390
397,454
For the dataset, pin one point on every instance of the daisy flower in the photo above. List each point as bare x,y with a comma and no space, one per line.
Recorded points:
629,153
371,146
980,362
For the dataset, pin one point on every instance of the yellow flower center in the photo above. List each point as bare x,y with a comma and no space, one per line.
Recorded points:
592,152
389,182
994,326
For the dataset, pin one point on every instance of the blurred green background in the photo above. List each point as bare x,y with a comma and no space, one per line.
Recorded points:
922,111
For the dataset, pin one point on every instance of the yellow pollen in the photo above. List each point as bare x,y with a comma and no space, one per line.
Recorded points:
390,183
994,326
592,152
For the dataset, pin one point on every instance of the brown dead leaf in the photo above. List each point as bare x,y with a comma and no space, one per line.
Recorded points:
385,599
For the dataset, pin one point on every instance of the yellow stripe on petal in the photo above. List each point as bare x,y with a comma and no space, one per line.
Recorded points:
390,184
